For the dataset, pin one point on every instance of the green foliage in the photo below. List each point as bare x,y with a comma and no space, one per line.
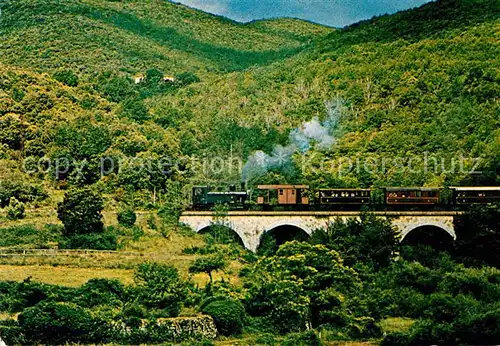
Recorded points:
219,232
11,332
309,338
208,264
126,216
466,328
96,292
187,78
66,77
116,89
80,212
82,139
135,110
161,288
11,132
370,240
94,241
57,323
478,236
21,191
15,211
228,315
18,296
30,236
302,284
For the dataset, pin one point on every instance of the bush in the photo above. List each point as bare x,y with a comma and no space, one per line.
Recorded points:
187,78
478,236
369,240
97,292
309,338
482,284
56,323
160,287
29,235
126,217
116,89
228,315
94,241
397,339
364,328
14,297
23,192
15,211
11,333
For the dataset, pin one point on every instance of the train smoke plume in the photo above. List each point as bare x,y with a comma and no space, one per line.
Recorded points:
314,133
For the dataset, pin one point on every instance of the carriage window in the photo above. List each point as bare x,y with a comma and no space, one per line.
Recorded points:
281,192
293,192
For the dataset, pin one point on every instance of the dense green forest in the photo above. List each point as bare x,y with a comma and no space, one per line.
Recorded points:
112,107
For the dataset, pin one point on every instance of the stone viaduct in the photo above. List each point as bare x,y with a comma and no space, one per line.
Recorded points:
251,225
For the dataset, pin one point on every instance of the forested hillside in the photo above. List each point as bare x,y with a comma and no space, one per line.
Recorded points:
424,80
92,36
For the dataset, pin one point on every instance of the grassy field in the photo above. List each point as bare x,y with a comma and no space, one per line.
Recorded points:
396,324
74,269
65,276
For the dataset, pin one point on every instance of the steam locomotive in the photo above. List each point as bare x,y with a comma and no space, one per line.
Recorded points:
301,197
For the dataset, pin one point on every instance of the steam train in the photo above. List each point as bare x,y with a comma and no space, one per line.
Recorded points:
301,197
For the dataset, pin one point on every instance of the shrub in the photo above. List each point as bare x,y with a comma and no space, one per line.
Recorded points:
228,315
11,333
309,338
160,287
481,283
137,232
370,240
126,216
364,328
56,323
187,78
116,89
97,292
14,296
94,241
133,314
29,235
15,211
478,236
397,339
23,192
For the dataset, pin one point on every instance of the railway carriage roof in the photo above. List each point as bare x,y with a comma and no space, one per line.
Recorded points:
412,188
241,193
475,188
326,189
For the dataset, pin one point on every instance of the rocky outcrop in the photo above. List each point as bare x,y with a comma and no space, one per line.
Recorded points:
169,329
181,328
